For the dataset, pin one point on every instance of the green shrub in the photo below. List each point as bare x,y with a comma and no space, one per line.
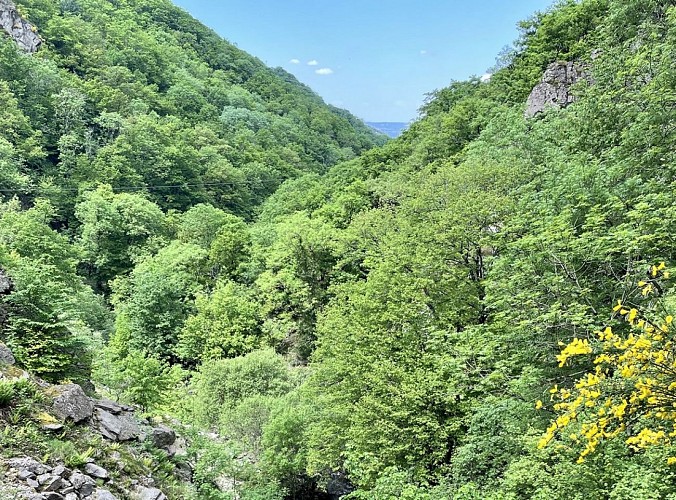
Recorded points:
223,384
6,393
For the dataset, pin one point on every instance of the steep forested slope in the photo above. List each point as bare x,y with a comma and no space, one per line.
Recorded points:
140,94
388,327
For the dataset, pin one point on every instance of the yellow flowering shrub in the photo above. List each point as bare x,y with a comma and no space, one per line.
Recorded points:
632,388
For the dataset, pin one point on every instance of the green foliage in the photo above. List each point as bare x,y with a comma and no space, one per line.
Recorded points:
423,287
53,320
227,324
6,393
68,453
116,230
226,383
136,377
155,300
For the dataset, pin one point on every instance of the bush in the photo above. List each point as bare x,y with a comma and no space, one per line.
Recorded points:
223,384
6,393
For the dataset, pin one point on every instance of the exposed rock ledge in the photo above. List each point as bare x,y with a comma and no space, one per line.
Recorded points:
554,89
22,32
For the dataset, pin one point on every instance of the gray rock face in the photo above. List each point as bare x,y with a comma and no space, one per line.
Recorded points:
23,33
72,403
179,448
117,427
553,91
6,356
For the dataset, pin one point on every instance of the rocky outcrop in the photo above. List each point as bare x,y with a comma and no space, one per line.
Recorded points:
28,478
6,356
71,403
21,31
554,89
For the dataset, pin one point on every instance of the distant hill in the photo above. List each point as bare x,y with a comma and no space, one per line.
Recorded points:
168,107
392,129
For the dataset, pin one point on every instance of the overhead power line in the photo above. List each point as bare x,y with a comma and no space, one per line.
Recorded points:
149,187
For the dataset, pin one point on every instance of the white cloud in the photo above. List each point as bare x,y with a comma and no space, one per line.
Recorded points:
423,52
294,61
312,63
324,71
486,77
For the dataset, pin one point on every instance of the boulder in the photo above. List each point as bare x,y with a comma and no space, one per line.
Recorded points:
162,436
52,495
104,495
6,356
53,427
84,484
25,474
96,471
71,403
179,448
184,471
554,89
150,494
117,427
21,31
61,471
111,406
53,483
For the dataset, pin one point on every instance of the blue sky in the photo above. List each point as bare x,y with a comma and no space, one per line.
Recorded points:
376,58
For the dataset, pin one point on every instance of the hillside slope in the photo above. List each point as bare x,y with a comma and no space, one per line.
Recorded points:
139,95
481,308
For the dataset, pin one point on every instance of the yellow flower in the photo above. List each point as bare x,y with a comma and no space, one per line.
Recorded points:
632,315
538,405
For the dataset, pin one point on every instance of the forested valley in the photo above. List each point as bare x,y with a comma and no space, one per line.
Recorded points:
479,309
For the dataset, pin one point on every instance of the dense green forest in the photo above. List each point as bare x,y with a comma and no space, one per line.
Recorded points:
479,309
